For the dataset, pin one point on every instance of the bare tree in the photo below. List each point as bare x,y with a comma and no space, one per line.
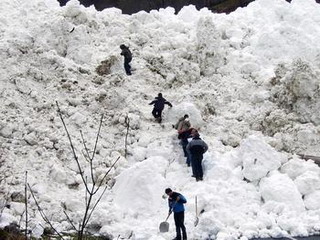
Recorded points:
91,191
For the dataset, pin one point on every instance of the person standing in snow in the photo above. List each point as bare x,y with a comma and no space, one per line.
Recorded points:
183,123
184,136
184,130
158,106
127,58
176,201
197,147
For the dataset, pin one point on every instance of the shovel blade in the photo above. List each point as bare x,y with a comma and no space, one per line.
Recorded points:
164,227
196,222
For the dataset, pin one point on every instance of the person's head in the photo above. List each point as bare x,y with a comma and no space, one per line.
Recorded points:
160,95
122,46
168,191
186,116
195,133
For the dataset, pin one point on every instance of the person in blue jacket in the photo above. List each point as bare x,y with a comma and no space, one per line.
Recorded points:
176,201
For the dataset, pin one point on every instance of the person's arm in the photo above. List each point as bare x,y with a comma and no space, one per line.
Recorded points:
168,103
181,199
171,205
205,147
153,102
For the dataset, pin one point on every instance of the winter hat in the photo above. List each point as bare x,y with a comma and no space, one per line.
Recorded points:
168,190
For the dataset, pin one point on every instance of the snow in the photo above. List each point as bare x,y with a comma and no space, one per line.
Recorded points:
249,81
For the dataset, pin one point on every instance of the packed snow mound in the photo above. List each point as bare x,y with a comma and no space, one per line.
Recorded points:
249,81
258,158
130,188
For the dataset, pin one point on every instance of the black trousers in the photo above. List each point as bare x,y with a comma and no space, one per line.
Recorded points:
196,161
179,222
127,66
157,113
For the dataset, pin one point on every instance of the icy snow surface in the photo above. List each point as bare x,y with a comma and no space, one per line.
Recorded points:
250,82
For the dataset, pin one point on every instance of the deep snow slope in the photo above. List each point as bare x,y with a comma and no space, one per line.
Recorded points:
249,81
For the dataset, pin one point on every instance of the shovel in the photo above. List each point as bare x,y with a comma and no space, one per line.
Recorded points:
197,217
164,226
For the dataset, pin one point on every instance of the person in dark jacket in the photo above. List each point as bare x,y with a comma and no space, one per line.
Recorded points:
176,201
197,147
127,58
158,106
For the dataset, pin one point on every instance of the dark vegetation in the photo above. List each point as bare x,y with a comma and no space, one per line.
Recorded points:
133,6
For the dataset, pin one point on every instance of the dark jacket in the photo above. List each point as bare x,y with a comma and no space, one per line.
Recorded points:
197,146
126,53
159,103
174,205
185,135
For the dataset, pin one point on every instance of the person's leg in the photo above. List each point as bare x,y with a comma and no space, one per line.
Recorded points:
177,223
184,144
127,67
200,169
193,165
183,228
154,113
197,168
159,116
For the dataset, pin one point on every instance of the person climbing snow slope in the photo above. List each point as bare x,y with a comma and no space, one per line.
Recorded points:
158,106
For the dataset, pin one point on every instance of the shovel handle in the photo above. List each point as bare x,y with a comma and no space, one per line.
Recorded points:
196,200
168,216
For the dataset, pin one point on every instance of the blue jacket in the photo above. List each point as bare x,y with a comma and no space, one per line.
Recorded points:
174,205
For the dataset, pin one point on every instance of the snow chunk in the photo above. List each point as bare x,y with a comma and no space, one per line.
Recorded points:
280,188
141,180
258,158
312,201
183,108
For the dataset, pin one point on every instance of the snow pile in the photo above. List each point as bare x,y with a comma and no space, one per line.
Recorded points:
249,81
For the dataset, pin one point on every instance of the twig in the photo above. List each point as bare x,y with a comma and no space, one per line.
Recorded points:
127,122
44,217
97,138
69,220
106,174
72,148
26,203
104,190
6,198
85,146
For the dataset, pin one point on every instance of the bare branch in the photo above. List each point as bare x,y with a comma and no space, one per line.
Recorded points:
69,220
26,203
127,122
72,147
94,206
85,146
97,138
101,195
106,175
44,217
85,156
